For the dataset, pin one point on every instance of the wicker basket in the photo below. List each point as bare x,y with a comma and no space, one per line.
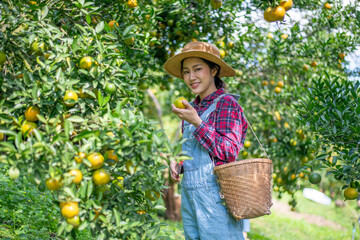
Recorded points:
246,187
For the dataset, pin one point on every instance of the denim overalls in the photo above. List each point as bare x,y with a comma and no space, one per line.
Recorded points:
203,213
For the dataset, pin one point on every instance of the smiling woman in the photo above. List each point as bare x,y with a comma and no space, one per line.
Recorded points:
214,127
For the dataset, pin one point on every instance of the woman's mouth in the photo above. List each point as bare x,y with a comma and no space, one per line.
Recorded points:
194,85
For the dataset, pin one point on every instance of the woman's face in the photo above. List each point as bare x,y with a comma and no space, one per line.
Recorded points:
198,76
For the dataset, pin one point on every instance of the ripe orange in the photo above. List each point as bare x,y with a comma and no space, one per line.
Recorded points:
72,97
31,113
216,4
109,155
96,160
277,14
112,23
75,221
244,154
342,56
314,178
302,175
221,44
222,53
79,157
287,5
231,44
293,176
77,174
313,64
178,102
277,90
86,62
280,84
277,115
129,41
62,204
247,144
264,83
286,125
131,3
327,6
28,127
293,142
52,184
284,36
2,58
32,3
69,210
350,193
306,67
101,177
267,15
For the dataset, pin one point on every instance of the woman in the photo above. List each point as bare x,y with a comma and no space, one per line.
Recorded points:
215,129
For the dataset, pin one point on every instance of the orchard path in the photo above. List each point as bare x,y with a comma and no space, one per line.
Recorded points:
283,208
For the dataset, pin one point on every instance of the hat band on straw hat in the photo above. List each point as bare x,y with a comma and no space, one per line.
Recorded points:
203,50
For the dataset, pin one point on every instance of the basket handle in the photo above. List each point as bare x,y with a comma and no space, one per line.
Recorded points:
256,137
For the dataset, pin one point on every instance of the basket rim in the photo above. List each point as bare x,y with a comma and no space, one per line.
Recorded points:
241,162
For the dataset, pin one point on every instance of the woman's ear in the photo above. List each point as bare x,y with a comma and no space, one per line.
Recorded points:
214,72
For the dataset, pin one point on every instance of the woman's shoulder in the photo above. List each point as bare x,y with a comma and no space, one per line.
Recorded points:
229,100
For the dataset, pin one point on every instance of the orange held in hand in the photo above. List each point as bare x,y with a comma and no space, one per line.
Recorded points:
179,104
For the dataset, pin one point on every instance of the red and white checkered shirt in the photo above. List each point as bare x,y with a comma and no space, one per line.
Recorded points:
224,133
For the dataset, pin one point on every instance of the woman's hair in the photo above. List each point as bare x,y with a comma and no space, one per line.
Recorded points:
218,82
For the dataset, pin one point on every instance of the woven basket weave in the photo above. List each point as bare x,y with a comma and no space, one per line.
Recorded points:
246,187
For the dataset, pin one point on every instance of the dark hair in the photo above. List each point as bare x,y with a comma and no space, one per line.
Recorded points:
218,82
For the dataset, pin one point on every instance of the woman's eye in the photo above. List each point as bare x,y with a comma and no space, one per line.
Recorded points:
197,69
185,72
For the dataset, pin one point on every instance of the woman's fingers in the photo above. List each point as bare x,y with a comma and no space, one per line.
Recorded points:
174,171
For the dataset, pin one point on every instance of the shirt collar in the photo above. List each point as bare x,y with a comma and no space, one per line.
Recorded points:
212,96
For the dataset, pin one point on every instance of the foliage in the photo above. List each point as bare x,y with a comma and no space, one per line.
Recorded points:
331,109
24,210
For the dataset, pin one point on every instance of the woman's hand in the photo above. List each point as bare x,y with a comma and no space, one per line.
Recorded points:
175,170
188,114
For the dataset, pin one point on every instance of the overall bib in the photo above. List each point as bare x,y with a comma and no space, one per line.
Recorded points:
203,213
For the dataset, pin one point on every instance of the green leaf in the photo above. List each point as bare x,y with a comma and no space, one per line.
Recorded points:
67,128
88,19
90,188
99,27
75,118
84,134
127,30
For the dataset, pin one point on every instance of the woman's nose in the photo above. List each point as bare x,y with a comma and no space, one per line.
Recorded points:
192,75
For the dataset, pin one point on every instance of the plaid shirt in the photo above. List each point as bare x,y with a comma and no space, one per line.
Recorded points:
224,134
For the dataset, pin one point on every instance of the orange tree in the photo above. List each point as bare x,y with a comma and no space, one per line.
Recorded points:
71,118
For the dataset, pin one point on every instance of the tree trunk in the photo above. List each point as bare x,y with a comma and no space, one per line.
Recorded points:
172,202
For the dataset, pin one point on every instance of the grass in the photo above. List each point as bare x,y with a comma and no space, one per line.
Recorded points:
282,226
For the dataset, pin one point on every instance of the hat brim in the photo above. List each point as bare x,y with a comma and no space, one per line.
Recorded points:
173,64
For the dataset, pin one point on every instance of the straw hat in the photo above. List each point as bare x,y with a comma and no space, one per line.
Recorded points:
203,50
